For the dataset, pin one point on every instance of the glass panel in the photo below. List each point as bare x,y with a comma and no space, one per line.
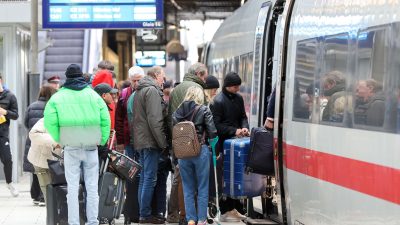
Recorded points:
333,96
306,91
372,64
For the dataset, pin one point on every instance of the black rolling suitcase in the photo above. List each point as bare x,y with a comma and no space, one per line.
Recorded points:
261,155
57,207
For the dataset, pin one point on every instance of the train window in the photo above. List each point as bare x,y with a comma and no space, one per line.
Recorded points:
237,63
333,97
373,47
306,89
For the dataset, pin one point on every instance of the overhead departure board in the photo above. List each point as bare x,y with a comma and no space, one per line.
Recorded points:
128,14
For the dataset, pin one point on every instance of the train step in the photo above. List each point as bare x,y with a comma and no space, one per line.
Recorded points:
250,221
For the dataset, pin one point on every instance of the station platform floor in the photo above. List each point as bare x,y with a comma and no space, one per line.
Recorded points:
21,211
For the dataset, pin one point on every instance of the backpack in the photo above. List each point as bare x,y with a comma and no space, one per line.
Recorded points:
185,142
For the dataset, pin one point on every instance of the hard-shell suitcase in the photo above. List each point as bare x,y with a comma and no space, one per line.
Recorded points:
261,155
57,207
237,183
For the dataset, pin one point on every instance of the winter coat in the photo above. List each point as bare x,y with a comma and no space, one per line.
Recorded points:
203,119
229,114
178,93
121,118
149,113
42,145
33,114
8,101
372,112
77,118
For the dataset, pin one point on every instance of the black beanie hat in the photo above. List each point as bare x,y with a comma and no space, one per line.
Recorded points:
232,79
212,82
73,71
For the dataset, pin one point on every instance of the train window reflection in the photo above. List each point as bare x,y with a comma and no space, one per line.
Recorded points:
305,88
371,72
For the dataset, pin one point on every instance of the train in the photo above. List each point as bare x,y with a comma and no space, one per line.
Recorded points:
334,66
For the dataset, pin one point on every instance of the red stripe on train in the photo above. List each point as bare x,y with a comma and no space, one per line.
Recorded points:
368,178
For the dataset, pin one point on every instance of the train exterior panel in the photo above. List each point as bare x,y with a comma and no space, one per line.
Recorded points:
340,171
337,161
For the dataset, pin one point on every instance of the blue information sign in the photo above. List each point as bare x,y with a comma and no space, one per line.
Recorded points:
103,14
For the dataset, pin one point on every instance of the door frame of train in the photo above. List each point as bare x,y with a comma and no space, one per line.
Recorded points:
279,110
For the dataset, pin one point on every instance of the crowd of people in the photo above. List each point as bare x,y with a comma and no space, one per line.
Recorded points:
76,119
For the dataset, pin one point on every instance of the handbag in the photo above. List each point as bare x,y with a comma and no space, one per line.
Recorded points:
124,166
57,170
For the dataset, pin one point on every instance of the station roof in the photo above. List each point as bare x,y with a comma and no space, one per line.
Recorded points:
200,9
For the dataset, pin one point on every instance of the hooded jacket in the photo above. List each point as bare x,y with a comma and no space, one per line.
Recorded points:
178,93
8,101
203,120
149,113
121,118
77,118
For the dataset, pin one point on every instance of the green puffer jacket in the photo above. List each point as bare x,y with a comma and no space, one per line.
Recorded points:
178,94
77,118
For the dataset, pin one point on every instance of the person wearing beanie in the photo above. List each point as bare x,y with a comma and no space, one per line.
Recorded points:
231,121
212,85
77,117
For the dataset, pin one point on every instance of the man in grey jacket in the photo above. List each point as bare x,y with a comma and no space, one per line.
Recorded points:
149,135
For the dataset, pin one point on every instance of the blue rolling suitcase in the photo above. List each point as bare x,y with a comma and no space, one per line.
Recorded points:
237,183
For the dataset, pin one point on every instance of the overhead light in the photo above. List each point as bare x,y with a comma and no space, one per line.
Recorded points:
171,27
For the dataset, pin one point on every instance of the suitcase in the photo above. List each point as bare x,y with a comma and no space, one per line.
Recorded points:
57,207
261,156
112,196
237,183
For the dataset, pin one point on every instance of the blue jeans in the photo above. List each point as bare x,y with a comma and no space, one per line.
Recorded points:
148,158
75,159
195,177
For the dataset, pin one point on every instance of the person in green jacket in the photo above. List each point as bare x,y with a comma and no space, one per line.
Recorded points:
77,117
196,76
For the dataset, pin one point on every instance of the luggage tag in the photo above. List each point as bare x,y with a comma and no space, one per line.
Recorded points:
2,119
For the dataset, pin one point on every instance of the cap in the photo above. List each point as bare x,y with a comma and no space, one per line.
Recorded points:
54,79
104,88
232,79
211,82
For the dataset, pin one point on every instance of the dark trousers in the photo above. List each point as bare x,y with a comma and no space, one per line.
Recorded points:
159,201
6,159
36,193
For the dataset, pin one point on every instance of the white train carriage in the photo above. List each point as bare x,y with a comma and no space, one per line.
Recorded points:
338,156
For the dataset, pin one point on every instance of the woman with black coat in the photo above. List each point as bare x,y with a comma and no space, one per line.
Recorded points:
32,115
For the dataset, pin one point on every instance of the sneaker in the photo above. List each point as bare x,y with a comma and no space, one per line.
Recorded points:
202,222
191,222
14,192
173,218
237,214
151,220
229,217
36,201
103,220
41,202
